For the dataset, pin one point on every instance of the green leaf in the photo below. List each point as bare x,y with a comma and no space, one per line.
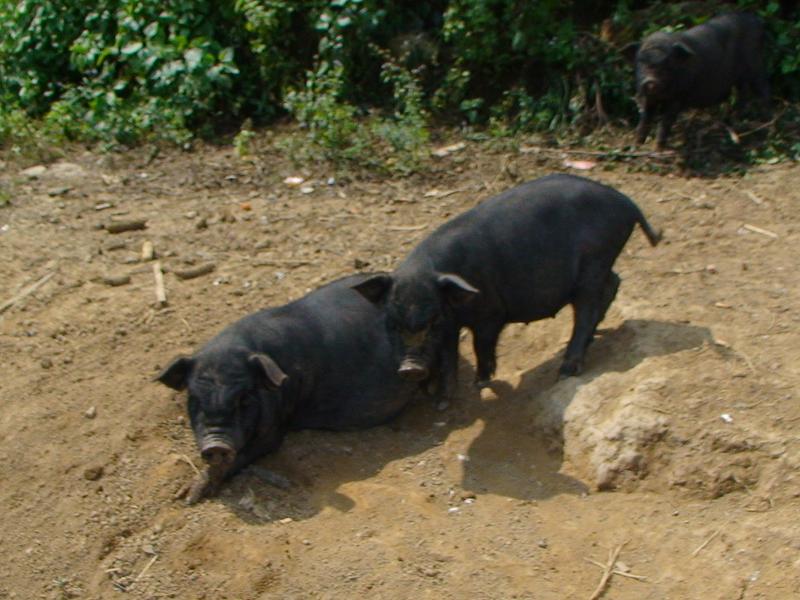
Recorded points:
131,48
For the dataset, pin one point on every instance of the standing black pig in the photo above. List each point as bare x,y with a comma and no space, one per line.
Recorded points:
696,68
322,361
517,257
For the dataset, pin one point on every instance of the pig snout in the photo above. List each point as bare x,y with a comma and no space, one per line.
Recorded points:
217,451
413,370
650,86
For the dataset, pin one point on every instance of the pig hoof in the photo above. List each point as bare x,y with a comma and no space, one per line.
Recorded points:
482,383
569,370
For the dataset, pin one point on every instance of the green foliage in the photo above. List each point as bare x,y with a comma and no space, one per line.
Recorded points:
356,74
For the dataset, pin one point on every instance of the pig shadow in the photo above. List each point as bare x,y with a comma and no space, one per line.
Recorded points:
509,456
513,456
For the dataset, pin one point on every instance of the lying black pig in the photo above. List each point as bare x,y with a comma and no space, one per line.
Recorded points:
322,361
517,257
696,68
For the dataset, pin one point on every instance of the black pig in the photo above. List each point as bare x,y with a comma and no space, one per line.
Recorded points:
322,361
696,68
517,257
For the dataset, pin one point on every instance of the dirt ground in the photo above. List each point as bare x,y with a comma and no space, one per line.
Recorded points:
678,447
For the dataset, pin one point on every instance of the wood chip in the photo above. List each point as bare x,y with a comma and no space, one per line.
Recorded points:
161,293
148,252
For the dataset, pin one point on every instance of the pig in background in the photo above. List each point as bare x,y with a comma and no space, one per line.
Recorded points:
697,68
322,361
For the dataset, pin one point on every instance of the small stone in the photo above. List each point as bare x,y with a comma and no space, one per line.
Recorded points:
286,520
306,542
34,172
542,543
149,549
91,412
46,363
93,473
58,191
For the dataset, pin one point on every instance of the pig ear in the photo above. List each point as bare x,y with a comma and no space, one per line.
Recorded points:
681,50
375,288
273,376
630,51
455,289
177,373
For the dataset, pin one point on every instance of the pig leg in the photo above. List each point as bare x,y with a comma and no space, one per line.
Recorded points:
664,127
597,288
609,293
447,376
643,128
484,342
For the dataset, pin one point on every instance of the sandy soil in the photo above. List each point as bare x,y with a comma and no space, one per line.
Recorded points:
679,443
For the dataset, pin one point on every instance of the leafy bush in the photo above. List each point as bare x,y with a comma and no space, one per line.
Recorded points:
354,73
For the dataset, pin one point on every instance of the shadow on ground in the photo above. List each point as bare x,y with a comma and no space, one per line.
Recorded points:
507,457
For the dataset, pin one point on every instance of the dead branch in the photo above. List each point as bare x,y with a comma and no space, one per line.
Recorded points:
609,567
26,292
601,154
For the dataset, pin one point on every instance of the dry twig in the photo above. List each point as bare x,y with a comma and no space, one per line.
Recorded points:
26,292
189,462
608,572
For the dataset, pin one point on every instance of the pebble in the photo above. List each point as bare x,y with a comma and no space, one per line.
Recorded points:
542,543
91,412
34,172
46,363
286,520
93,473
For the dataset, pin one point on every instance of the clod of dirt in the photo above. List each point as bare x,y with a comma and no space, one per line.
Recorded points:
93,473
46,363
193,272
122,226
116,280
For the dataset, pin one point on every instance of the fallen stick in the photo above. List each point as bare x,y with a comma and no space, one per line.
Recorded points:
407,227
708,541
753,197
26,292
275,262
755,229
158,275
146,568
189,462
121,226
609,571
616,572
601,154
